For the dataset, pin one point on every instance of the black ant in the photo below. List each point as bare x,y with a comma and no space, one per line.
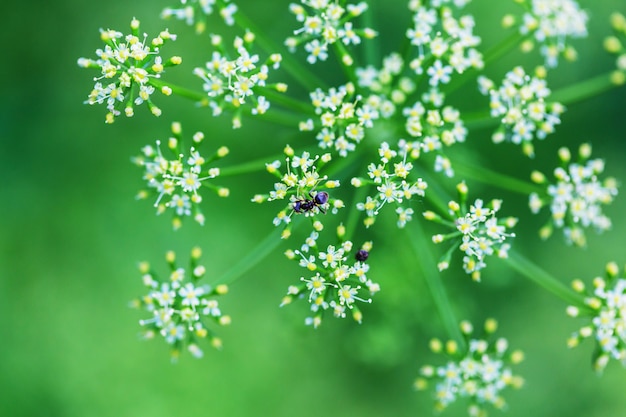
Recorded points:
305,205
362,255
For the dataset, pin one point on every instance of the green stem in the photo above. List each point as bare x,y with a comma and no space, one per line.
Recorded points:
253,257
372,49
503,47
178,90
427,267
493,53
354,214
583,90
278,117
544,279
496,179
294,104
436,195
257,165
480,120
341,51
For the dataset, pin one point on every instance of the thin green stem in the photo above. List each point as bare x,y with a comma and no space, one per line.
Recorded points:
257,165
544,279
436,195
341,51
583,90
503,47
496,179
493,53
291,103
480,120
279,117
253,257
372,49
427,267
354,214
178,90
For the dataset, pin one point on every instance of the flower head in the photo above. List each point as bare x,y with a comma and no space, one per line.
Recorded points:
552,23
606,312
180,307
335,282
480,372
195,12
445,44
176,182
325,23
576,197
129,66
394,181
343,118
306,191
235,83
520,104
475,230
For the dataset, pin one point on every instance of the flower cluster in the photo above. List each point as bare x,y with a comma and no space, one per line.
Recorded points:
196,12
436,127
576,198
231,82
180,308
477,232
445,44
615,45
520,104
176,182
393,186
606,307
343,118
302,186
336,284
128,65
551,23
478,373
326,23
389,87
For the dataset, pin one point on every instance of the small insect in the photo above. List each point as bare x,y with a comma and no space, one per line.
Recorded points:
361,255
307,204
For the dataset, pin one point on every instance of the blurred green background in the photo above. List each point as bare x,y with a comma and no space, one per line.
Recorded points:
71,235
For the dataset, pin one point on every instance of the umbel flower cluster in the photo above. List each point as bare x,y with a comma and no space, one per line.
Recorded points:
181,310
177,182
336,284
605,307
383,144
479,370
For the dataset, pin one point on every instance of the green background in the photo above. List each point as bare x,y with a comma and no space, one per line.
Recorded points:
71,235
